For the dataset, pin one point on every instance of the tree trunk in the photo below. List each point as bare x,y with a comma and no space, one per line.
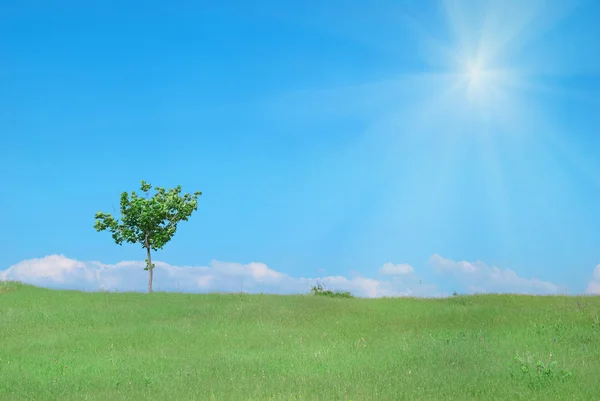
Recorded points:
149,265
149,271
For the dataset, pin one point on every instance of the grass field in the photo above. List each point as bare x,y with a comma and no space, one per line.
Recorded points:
67,345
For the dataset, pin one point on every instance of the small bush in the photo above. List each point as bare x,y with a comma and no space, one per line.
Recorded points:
539,374
318,289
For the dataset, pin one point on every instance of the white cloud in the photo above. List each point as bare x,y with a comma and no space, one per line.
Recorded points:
58,271
390,269
481,278
56,268
594,285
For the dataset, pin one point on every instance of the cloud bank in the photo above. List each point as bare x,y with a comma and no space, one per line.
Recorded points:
594,285
477,277
58,271
393,280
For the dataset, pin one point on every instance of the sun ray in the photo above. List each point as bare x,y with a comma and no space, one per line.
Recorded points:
477,94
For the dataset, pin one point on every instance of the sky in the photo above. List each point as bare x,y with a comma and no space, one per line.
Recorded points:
387,148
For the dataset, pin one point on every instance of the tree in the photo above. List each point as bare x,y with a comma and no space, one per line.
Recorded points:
149,221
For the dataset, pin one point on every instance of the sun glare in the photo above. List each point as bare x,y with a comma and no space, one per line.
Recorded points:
479,80
474,73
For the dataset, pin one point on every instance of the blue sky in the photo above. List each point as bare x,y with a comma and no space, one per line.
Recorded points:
372,145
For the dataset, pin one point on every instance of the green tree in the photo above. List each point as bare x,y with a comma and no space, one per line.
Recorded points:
149,221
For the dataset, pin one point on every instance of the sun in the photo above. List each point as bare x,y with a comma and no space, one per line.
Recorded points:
479,80
474,72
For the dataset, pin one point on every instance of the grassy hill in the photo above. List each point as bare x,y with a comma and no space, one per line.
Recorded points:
68,345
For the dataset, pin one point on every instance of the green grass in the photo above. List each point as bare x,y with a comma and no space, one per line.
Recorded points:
67,345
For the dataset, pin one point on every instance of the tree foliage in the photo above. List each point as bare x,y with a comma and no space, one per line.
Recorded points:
150,221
